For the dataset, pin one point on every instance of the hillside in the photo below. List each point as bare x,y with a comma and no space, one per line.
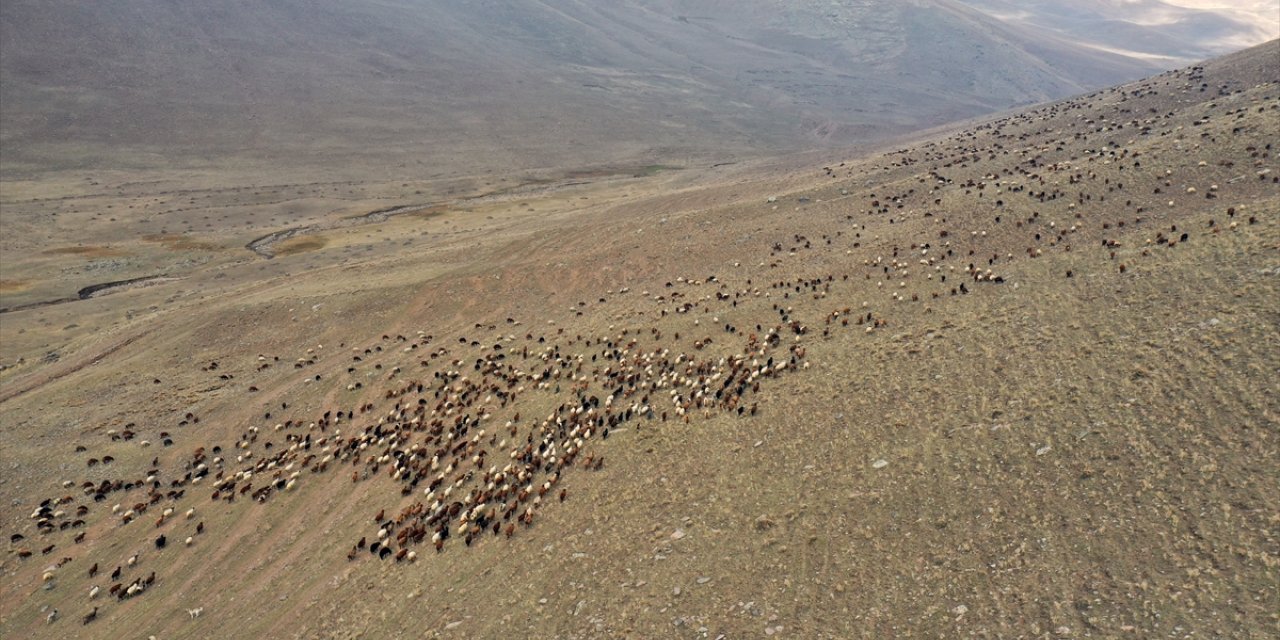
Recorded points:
399,89
1183,31
1015,380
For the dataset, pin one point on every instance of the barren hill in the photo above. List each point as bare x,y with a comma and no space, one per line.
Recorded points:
1014,380
403,88
1170,30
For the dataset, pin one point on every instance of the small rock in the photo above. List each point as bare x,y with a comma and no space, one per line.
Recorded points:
960,610
677,534
880,464
764,522
704,580
452,625
1043,450
675,591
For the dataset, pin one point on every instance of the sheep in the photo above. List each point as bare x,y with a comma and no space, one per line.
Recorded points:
548,455
53,615
93,591
91,616
195,613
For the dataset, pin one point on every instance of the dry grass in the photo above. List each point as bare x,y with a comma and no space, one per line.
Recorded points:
181,243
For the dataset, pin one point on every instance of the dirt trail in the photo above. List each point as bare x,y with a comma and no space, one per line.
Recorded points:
43,378
95,290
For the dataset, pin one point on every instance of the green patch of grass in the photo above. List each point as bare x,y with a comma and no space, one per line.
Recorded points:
301,245
654,169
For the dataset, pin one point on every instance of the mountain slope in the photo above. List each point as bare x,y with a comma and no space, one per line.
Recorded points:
495,84
1016,380
1178,30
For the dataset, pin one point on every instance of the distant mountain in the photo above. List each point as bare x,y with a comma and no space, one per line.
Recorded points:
491,85
1177,31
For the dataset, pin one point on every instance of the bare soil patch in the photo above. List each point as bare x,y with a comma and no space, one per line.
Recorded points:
14,286
86,251
301,245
